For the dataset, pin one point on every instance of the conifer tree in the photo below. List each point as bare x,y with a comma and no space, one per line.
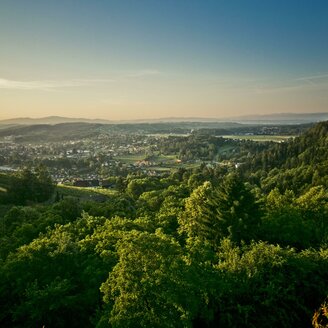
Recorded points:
237,210
231,210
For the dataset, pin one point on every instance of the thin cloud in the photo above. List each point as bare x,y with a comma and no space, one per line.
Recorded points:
267,85
310,82
313,77
48,85
142,73
51,85
263,90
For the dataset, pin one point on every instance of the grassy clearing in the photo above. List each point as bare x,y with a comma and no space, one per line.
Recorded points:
160,168
82,192
162,157
166,135
130,159
189,165
158,158
226,149
259,138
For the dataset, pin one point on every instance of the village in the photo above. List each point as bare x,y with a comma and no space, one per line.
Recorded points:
88,158
89,161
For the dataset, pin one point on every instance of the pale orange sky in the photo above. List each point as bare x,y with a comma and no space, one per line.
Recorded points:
155,96
147,59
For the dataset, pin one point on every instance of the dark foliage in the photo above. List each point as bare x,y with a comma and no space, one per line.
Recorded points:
207,247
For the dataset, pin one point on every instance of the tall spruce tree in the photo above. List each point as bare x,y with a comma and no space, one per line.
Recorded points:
230,210
236,209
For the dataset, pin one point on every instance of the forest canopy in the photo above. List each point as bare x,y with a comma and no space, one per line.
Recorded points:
210,246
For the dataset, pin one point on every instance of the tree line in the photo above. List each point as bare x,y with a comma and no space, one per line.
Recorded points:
208,247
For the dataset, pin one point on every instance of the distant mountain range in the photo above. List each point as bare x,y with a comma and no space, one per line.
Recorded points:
51,120
281,118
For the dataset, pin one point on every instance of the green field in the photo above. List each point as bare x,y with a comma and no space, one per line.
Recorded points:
159,168
226,149
161,163
131,159
166,135
259,138
82,192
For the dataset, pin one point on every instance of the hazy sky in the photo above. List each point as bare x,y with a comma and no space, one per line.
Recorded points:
162,58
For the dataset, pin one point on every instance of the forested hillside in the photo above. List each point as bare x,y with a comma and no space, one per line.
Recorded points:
79,130
297,165
212,246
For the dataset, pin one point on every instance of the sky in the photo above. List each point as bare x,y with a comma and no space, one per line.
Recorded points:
142,59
